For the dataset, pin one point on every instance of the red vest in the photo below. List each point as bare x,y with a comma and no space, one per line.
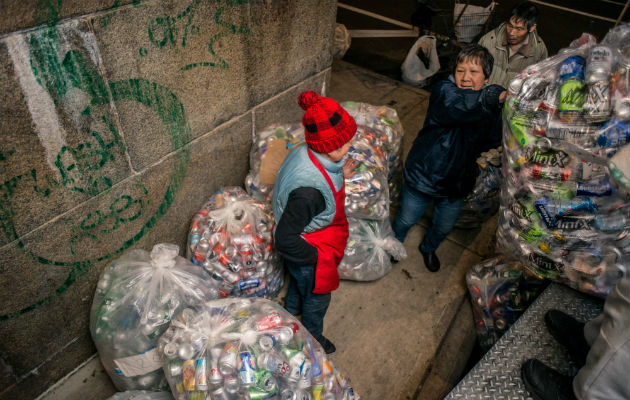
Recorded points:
330,241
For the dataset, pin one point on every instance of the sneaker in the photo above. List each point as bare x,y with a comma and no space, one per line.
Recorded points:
545,383
569,332
431,260
327,345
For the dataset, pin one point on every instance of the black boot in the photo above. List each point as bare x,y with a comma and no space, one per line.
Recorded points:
545,383
327,345
570,333
431,261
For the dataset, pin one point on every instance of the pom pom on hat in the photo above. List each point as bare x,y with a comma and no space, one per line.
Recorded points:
307,99
327,126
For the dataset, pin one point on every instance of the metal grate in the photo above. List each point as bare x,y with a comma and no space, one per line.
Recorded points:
498,374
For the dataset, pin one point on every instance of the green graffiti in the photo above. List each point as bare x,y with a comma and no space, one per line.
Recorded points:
142,51
47,11
174,31
78,163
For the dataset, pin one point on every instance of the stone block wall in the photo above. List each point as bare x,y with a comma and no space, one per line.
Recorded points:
118,119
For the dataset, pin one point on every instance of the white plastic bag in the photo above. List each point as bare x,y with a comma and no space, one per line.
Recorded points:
136,297
367,254
414,70
471,21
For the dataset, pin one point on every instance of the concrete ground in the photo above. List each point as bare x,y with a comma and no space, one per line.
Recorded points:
407,335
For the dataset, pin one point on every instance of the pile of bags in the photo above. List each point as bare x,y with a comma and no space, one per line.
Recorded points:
566,121
231,239
135,299
246,348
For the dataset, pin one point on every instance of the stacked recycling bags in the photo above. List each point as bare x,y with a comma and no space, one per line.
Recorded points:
564,121
246,348
231,239
371,243
136,297
500,290
385,120
268,151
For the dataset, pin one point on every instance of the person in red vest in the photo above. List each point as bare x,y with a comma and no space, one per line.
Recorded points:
308,201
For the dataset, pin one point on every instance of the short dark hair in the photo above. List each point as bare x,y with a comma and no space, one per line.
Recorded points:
526,11
478,53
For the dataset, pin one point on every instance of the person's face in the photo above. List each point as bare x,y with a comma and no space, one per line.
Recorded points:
337,155
469,75
517,31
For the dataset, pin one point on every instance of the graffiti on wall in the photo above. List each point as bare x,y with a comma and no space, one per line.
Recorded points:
175,31
56,75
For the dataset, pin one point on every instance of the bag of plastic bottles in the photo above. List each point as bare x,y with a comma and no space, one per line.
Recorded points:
367,192
383,119
371,243
483,201
500,290
266,156
230,238
136,297
562,213
246,348
141,395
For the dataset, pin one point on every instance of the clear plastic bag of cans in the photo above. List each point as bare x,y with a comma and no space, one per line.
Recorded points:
231,239
483,201
385,120
565,118
500,290
264,164
136,297
371,244
141,395
367,191
246,348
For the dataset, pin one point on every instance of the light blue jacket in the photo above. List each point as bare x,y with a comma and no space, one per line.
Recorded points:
297,171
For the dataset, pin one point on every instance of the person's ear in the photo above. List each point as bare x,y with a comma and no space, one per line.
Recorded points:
531,29
485,80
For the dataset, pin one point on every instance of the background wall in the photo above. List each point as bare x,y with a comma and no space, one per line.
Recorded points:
119,119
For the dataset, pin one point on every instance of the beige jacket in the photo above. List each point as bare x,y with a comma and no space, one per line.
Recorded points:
505,69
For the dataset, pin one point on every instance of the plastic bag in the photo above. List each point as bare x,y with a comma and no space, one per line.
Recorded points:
230,237
469,20
266,156
415,71
500,290
367,191
341,42
483,202
562,213
383,119
136,297
247,349
371,243
141,395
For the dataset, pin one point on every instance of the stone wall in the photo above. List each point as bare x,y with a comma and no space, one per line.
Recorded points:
119,119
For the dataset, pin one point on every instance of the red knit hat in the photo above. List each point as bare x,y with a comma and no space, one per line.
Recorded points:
327,126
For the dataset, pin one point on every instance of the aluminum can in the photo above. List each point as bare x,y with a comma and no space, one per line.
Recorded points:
269,321
227,362
201,374
274,363
246,371
188,372
599,65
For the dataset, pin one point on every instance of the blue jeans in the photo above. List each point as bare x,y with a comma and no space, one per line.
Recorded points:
413,205
300,299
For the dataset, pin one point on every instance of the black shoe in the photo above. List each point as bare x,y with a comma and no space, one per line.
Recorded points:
431,261
545,383
327,345
569,332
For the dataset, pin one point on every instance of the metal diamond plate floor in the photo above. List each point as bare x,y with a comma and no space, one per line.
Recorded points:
498,374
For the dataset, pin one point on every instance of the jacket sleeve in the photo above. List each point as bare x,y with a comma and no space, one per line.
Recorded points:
457,106
302,205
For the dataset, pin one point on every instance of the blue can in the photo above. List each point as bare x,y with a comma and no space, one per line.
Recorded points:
572,68
246,371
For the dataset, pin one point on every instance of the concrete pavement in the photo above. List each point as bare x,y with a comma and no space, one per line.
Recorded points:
407,335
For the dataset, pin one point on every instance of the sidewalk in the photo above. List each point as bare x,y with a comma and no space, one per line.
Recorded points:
405,336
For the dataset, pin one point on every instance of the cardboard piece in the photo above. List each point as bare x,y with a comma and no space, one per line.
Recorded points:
271,161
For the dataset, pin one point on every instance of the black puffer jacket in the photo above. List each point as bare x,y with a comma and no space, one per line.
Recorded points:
460,124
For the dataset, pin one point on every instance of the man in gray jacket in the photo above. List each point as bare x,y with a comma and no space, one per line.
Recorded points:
514,44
